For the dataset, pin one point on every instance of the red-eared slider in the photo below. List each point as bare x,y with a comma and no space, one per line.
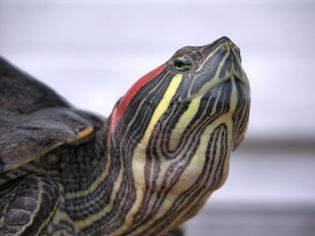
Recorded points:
143,171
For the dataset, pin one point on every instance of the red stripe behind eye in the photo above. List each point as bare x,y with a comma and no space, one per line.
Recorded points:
123,104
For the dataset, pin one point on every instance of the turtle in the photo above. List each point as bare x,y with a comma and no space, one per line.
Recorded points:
144,170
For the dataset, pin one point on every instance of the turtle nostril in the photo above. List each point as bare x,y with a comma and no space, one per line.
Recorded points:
226,46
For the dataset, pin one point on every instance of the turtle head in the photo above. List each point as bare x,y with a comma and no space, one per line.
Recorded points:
213,89
196,82
176,127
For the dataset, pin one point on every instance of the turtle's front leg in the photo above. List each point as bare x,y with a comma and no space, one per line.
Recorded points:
27,205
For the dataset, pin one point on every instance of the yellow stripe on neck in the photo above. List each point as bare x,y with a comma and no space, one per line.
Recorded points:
183,122
138,163
162,107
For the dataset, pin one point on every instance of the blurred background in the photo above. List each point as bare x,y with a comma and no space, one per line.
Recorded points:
92,51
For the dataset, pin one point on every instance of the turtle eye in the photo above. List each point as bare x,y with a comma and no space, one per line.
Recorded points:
182,63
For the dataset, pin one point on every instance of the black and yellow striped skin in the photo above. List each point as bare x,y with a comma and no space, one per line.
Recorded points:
177,134
156,160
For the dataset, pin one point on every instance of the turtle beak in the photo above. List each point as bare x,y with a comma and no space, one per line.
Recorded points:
223,49
234,60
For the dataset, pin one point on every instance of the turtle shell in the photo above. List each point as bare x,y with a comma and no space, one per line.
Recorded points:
35,120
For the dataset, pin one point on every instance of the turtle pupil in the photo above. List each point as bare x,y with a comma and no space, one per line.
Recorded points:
179,64
182,64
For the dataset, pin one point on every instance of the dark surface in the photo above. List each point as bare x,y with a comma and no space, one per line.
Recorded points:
21,93
34,119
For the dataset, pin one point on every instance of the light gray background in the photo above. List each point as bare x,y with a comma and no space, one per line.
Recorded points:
93,51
